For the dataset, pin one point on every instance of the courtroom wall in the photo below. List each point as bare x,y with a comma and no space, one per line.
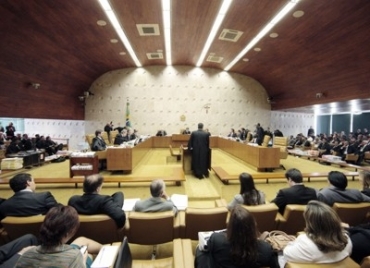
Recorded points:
174,97
292,123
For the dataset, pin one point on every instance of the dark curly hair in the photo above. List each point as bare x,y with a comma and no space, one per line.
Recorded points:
59,223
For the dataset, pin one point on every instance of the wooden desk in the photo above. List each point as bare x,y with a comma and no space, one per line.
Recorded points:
180,139
260,157
126,159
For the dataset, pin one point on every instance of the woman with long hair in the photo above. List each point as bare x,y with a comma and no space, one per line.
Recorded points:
365,182
324,240
60,225
239,246
248,195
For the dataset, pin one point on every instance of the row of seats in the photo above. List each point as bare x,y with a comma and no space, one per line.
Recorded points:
164,227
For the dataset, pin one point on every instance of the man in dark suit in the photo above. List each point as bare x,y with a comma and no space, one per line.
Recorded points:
297,193
91,202
199,147
25,202
98,143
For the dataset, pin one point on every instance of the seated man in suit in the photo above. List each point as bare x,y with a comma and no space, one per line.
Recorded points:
98,143
186,131
159,200
337,191
91,202
297,193
25,202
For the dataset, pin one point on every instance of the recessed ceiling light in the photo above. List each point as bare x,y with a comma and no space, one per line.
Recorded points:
257,49
245,59
298,14
114,41
273,35
101,22
122,53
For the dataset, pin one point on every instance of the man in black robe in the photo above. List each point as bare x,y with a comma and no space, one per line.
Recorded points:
199,147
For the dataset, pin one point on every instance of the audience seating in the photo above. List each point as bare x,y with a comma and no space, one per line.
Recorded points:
367,156
282,143
351,158
99,227
154,228
346,263
124,258
17,226
365,263
264,215
292,221
194,220
352,213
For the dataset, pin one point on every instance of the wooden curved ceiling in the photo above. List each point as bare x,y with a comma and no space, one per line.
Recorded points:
59,44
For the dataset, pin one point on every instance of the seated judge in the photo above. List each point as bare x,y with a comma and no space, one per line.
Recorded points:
159,201
186,131
92,202
121,137
98,143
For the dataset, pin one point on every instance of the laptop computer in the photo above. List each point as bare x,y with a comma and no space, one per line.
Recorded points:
124,258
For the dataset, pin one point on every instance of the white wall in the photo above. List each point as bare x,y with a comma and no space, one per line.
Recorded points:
292,123
159,96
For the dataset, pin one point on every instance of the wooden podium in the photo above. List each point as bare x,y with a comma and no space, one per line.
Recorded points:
186,160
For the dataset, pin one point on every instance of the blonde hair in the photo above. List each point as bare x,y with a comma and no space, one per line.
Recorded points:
323,227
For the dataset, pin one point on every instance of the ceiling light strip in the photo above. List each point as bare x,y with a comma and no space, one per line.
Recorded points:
291,4
216,25
117,26
166,11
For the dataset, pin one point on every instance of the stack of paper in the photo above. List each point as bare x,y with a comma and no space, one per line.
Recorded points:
129,204
106,257
180,201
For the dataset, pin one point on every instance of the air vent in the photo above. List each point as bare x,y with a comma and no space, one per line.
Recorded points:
214,59
148,29
154,56
230,35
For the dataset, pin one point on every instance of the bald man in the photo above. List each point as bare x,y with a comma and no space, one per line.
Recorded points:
159,200
92,202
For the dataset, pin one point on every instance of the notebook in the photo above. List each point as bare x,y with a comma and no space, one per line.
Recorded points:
106,257
129,204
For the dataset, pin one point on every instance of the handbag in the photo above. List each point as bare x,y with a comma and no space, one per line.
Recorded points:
279,239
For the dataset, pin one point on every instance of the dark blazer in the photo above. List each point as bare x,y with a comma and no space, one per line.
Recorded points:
93,203
25,203
98,144
219,254
297,194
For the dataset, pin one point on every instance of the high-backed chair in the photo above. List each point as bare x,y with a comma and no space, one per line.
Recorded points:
17,226
105,137
292,221
101,154
352,213
264,215
282,143
346,263
194,220
99,227
177,155
365,263
249,137
152,228
351,158
124,258
266,140
113,135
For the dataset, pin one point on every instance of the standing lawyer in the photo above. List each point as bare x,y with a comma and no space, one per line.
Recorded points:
199,147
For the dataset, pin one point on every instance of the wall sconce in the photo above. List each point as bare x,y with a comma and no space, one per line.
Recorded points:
87,94
319,95
35,85
82,100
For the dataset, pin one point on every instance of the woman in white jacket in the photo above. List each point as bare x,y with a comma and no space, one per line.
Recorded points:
324,240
